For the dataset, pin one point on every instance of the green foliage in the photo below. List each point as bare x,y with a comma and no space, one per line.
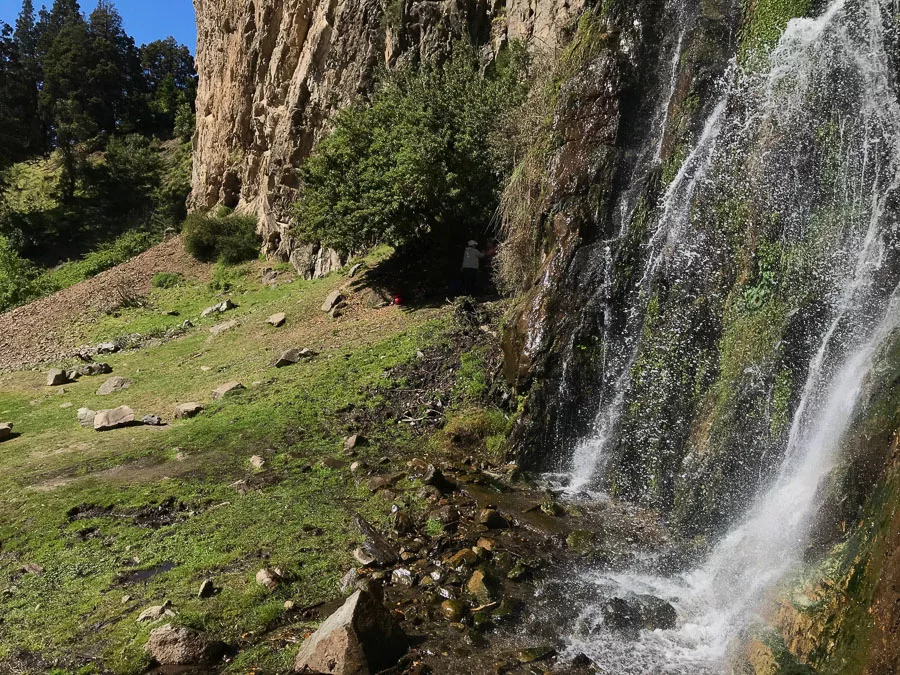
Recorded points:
764,22
229,239
166,280
19,279
413,164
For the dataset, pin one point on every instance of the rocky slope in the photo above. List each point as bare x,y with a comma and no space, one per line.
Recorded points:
272,73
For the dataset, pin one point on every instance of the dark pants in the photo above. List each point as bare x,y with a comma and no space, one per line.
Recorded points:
470,281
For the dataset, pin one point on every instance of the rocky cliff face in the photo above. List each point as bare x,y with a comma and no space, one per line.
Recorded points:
273,72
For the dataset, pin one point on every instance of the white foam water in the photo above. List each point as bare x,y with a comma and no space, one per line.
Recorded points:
720,599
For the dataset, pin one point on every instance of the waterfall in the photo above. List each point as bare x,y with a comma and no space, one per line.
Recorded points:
842,50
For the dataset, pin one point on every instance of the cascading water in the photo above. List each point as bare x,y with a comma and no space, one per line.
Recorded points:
829,71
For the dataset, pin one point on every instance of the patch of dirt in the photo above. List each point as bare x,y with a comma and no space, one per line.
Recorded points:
48,330
150,516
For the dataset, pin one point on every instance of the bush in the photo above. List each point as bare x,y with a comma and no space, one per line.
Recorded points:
166,280
19,280
229,239
416,163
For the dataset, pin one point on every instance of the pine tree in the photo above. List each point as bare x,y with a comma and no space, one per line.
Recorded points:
26,33
25,38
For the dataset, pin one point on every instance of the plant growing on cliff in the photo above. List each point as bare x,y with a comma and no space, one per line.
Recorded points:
224,238
414,164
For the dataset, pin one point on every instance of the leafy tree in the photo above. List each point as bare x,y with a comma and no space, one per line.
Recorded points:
415,164
172,84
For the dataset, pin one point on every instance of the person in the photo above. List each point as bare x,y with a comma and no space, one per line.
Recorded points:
471,264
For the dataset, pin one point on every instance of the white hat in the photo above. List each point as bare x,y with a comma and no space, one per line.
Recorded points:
473,243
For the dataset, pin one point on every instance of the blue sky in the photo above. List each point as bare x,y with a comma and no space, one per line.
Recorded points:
145,20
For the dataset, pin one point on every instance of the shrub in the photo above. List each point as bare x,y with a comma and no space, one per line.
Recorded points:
415,163
108,256
229,239
19,280
166,280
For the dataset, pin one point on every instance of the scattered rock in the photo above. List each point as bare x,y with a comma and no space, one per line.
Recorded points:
107,348
464,557
375,545
86,417
171,646
187,324
152,421
482,587
348,581
332,300
492,519
257,462
403,577
358,466
487,544
187,410
221,308
355,269
352,442
268,578
91,369
377,483
207,589
434,477
227,389
333,463
277,320
292,356
220,328
639,612
113,385
5,430
362,637
57,378
363,558
156,613
288,605
113,419
454,610
377,298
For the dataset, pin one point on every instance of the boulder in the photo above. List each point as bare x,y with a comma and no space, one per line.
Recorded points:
207,589
376,545
91,369
292,356
113,385
482,587
257,462
635,612
332,300
352,442
86,417
5,430
152,421
175,646
185,411
226,389
57,377
355,269
360,638
113,419
277,320
221,308
156,613
107,348
220,328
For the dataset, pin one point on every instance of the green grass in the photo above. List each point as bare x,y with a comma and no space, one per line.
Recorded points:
74,611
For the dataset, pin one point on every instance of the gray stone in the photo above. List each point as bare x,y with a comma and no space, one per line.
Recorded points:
221,308
360,638
220,328
152,420
355,269
113,385
268,578
107,348
257,462
113,419
292,356
156,613
207,589
5,430
57,377
375,545
86,417
332,300
171,646
91,369
226,390
277,320
185,411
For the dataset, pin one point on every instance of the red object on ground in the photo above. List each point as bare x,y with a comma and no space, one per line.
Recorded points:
398,300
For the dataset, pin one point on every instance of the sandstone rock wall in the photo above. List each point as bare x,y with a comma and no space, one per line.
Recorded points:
272,72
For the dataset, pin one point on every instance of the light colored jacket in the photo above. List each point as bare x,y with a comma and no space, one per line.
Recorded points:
472,258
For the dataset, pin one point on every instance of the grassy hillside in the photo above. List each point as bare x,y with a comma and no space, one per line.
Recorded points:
123,520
